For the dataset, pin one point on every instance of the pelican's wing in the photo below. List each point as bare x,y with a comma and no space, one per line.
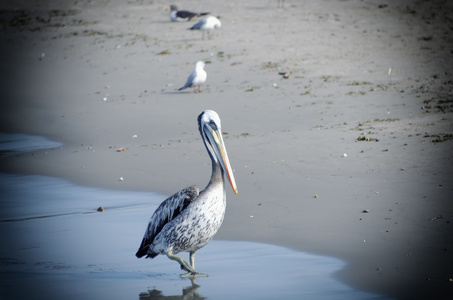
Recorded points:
167,211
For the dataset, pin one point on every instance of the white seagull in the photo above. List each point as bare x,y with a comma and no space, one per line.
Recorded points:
188,220
183,15
207,24
197,77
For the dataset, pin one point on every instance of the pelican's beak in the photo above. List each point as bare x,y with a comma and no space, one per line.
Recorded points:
223,156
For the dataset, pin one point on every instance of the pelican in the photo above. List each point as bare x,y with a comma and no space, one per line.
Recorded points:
188,220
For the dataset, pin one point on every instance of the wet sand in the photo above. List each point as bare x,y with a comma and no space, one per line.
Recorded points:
59,246
351,156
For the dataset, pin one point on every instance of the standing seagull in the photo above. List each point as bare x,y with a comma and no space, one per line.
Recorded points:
207,24
183,15
188,220
197,77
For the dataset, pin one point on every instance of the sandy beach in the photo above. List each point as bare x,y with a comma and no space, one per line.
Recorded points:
350,156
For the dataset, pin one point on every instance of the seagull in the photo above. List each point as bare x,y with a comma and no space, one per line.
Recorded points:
188,220
183,15
207,24
197,77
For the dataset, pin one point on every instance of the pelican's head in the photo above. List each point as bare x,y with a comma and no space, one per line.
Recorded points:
209,125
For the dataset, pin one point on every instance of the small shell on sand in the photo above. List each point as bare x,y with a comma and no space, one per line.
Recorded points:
100,209
284,74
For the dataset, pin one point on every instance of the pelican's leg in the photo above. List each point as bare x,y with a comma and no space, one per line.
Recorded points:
192,259
184,264
192,273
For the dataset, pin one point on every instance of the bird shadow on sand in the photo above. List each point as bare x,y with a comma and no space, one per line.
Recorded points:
162,22
183,92
175,92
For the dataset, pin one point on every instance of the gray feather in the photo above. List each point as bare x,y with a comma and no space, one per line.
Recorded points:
189,82
198,25
165,213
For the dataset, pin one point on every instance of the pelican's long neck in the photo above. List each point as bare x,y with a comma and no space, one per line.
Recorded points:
217,178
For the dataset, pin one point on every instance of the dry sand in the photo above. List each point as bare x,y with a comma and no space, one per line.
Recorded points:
101,75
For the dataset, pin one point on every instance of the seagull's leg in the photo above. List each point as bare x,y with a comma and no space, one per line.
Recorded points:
199,88
194,89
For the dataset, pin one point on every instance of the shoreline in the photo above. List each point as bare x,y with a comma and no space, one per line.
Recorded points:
49,254
369,71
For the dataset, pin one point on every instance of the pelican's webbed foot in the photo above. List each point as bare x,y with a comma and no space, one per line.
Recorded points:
190,268
193,275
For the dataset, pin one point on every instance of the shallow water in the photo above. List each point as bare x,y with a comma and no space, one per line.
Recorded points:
12,144
55,245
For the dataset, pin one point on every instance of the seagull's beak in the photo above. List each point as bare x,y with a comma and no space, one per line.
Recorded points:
222,156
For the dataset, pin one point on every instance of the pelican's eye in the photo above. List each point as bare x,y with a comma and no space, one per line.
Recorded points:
213,125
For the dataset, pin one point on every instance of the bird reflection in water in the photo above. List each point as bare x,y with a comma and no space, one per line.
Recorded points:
190,292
